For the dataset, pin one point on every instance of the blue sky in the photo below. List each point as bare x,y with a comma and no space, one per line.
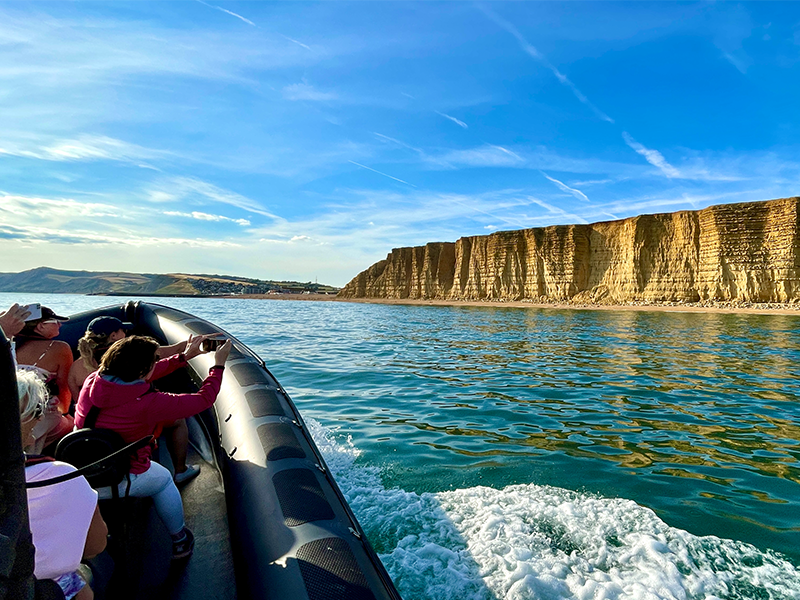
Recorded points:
306,140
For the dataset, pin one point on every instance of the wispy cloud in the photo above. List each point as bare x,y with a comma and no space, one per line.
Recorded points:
665,202
398,142
192,190
564,216
233,14
453,119
304,91
201,216
59,236
565,188
654,157
534,53
380,173
295,239
85,147
485,156
296,42
31,208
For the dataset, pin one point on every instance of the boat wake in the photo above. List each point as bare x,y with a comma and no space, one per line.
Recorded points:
540,542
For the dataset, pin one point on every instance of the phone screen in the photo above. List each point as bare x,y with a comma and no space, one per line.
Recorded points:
211,345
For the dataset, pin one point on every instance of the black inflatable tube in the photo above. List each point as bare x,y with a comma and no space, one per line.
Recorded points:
293,534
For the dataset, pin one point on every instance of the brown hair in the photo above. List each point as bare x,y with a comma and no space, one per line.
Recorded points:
130,358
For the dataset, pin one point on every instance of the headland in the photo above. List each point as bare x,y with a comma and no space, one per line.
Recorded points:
731,256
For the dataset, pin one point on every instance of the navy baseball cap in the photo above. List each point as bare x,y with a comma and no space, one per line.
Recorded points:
107,325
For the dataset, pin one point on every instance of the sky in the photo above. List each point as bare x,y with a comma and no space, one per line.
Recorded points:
303,141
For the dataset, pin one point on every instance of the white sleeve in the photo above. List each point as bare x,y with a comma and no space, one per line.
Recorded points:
60,516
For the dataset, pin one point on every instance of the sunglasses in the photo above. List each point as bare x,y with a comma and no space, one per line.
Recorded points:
38,411
49,321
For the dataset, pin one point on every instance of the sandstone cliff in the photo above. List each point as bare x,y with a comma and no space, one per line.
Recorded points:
747,252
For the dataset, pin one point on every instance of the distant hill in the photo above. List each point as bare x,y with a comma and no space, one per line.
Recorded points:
45,280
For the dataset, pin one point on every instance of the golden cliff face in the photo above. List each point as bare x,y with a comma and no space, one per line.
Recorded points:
747,252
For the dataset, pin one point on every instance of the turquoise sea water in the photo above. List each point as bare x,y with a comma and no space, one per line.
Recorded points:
538,453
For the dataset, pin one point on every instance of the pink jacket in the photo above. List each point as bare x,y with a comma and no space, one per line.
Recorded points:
136,410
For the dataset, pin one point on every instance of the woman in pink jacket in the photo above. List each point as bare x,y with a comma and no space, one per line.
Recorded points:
129,405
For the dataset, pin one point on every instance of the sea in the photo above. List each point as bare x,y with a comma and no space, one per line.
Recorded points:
535,453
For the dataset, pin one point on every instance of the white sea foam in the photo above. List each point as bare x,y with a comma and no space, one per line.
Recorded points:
544,543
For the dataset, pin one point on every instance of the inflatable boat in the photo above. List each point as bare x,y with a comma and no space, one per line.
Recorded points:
268,518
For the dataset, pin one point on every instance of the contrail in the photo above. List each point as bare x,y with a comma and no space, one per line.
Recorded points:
233,14
379,173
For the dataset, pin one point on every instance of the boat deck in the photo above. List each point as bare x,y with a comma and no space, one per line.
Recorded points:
142,566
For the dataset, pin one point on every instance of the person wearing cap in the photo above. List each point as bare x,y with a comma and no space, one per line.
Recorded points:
38,350
101,334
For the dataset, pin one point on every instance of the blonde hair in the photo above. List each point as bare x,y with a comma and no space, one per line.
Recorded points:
92,346
32,393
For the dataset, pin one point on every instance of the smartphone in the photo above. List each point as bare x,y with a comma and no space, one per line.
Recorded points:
212,344
35,310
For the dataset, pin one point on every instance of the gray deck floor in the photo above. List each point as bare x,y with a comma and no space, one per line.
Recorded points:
147,571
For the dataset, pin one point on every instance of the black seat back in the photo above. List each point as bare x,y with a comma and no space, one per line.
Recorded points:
86,446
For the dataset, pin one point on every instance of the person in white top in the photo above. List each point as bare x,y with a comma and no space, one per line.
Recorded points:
65,521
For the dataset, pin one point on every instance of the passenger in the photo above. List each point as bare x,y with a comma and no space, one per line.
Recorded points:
100,334
128,404
37,350
51,425
65,521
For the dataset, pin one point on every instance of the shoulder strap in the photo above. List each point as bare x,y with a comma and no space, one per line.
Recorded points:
129,449
91,417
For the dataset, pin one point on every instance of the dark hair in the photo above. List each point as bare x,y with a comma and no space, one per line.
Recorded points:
130,358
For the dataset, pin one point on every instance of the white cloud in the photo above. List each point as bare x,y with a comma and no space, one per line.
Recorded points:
485,156
34,234
398,142
453,119
564,187
33,208
190,189
301,44
201,216
654,157
534,53
304,91
85,147
233,14
380,173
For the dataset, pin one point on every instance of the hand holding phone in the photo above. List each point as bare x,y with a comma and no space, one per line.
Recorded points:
35,310
210,345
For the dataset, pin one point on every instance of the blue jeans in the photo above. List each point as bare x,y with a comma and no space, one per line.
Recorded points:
156,483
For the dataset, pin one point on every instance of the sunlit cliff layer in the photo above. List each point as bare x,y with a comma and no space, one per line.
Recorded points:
748,252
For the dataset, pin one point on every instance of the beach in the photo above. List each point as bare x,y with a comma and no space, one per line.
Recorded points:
693,307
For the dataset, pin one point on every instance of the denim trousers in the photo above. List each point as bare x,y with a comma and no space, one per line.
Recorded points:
156,483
